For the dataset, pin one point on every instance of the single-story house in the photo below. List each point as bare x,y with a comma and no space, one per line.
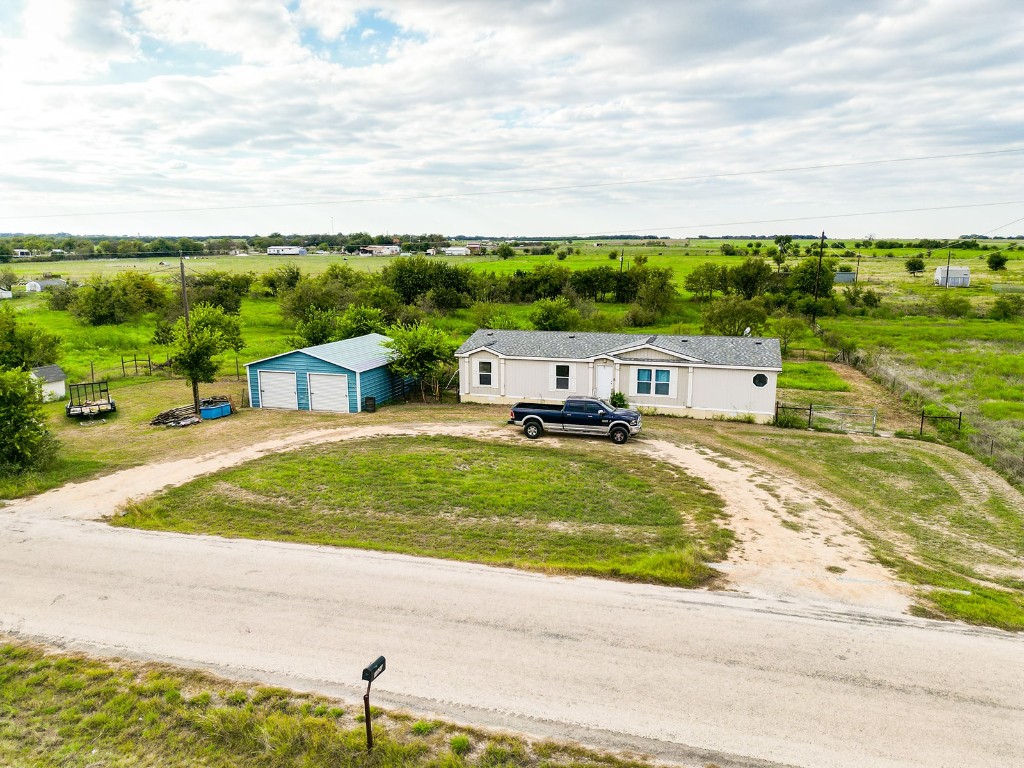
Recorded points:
22,253
286,250
379,250
338,376
35,286
53,380
959,277
456,250
698,376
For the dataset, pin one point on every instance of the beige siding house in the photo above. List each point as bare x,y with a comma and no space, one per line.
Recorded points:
698,376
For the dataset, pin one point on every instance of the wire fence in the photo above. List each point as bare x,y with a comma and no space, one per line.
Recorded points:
834,418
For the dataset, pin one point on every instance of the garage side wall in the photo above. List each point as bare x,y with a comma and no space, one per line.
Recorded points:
378,383
300,364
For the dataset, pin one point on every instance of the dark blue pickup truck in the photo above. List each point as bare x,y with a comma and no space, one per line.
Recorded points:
579,415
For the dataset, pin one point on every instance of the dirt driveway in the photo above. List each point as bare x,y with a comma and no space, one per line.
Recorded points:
787,538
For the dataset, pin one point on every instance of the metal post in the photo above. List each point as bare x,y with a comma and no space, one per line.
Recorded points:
922,422
123,372
810,414
959,421
366,715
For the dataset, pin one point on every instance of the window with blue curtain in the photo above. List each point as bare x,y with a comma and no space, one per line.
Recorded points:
643,381
661,381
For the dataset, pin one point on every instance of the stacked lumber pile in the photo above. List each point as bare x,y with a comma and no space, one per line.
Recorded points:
177,417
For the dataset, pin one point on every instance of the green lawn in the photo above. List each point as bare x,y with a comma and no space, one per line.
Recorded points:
588,509
811,376
68,710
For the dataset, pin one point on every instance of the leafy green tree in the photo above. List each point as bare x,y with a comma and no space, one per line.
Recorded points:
195,345
787,329
732,315
319,327
25,441
504,251
914,265
996,261
703,281
24,345
555,315
420,352
951,305
281,279
751,278
6,252
804,275
126,296
359,320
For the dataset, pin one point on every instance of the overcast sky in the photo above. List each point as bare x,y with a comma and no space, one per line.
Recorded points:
321,110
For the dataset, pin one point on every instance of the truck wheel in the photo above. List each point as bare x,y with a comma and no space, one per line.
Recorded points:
533,430
620,435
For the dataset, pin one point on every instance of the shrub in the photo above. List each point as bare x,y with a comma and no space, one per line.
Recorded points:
1007,308
618,400
951,305
555,315
459,744
787,419
996,261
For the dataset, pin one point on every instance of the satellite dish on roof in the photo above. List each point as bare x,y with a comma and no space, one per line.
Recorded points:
746,331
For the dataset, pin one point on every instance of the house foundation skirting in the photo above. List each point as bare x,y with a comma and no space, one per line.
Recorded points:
668,409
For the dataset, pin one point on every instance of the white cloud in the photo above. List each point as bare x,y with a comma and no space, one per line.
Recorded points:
220,102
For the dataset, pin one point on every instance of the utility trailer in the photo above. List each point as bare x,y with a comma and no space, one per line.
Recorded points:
89,399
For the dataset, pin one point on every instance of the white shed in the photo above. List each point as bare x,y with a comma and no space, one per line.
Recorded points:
5,294
33,286
54,381
959,277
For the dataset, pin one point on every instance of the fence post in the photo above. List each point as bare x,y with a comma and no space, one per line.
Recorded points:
123,373
149,363
921,432
810,414
92,371
959,422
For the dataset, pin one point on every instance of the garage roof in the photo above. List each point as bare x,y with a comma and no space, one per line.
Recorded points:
363,353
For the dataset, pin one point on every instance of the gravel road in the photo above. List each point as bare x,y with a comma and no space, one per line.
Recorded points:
688,676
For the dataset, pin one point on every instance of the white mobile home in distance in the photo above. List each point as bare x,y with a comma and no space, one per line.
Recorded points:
286,250
697,376
959,277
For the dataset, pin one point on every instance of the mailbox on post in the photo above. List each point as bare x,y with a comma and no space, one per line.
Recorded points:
372,671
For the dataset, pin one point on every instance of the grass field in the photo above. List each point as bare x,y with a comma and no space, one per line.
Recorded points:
937,518
811,376
586,509
68,710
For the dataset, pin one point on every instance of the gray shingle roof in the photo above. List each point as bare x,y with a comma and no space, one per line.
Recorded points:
49,373
745,351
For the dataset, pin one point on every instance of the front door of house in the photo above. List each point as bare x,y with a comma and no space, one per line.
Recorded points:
605,374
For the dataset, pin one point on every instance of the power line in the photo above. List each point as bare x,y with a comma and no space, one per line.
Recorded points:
533,190
818,217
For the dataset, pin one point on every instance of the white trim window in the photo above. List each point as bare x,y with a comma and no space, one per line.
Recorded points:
654,381
485,373
562,377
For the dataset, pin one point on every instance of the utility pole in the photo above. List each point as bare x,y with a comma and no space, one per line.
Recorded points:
184,294
856,275
949,257
817,275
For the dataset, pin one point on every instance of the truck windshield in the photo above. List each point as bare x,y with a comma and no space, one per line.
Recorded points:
607,407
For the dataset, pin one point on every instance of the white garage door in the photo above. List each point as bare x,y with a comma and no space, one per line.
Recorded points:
328,392
277,390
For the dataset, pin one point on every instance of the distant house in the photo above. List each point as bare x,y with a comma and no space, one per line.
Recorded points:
959,277
379,250
697,376
53,379
22,253
286,250
5,293
338,377
35,286
56,251
474,247
456,250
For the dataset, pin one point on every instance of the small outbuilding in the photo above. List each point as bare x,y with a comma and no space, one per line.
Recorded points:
6,294
53,380
959,277
35,286
340,376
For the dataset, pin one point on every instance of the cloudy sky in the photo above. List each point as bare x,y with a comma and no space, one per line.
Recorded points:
512,117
